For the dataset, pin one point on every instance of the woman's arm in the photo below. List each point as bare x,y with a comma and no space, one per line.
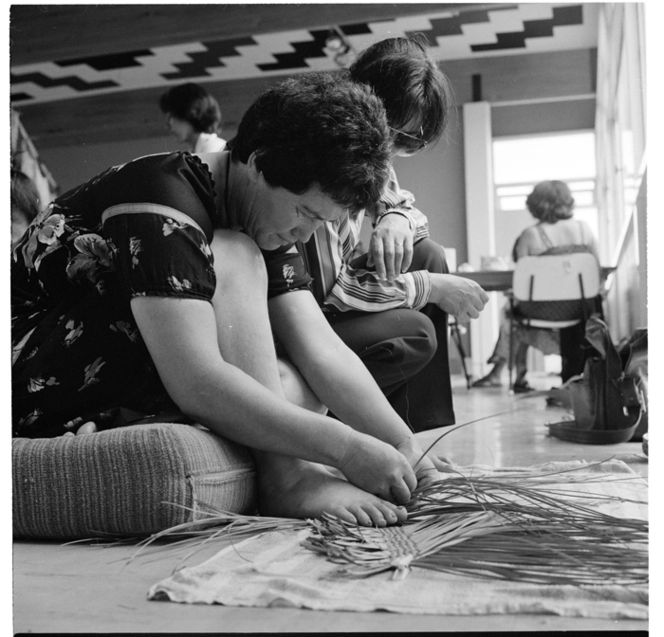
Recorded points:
335,373
181,336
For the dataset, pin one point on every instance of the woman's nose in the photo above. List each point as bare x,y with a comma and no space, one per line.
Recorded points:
303,232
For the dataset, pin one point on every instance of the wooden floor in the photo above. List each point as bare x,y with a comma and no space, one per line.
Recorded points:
85,588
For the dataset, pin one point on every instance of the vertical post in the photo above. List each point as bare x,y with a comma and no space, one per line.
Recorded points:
480,222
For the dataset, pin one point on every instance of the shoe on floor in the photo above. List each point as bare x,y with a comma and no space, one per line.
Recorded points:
522,387
487,381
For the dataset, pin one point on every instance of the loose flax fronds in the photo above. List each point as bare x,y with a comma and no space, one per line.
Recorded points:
515,527
215,526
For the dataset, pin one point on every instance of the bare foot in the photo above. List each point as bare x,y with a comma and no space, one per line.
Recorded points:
294,488
86,428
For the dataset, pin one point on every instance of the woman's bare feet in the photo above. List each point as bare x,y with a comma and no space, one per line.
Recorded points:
87,428
288,487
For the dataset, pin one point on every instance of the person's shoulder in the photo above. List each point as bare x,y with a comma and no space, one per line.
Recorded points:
528,234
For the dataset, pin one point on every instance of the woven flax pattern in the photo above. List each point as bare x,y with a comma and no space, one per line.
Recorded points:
125,481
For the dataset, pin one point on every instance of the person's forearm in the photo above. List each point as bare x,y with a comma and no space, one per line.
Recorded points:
235,406
343,383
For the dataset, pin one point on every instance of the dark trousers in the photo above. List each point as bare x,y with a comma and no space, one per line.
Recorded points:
406,350
574,348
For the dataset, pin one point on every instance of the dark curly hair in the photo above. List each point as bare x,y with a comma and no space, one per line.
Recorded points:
192,103
403,74
319,128
550,201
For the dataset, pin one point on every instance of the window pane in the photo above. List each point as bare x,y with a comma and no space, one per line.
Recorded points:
563,157
513,203
507,191
584,198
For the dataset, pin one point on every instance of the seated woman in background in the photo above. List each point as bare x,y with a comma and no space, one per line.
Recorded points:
143,293
556,232
193,116
25,204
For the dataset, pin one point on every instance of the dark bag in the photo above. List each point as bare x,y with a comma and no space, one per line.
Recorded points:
634,357
609,400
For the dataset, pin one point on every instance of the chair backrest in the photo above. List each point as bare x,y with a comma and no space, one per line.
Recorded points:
556,277
558,288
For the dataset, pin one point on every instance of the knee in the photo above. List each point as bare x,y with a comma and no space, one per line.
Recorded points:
296,389
417,343
429,255
238,260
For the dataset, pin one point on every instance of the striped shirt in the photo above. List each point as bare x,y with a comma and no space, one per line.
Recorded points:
339,286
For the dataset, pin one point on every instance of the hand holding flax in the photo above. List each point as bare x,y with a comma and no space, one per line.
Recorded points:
378,468
426,470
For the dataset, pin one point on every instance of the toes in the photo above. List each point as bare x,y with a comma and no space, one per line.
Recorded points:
363,516
345,515
379,514
87,428
402,514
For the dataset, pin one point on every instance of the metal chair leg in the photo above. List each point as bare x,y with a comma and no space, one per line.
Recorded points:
511,350
456,336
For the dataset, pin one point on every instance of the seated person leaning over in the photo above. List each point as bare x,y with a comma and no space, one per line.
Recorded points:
144,292
390,305
555,232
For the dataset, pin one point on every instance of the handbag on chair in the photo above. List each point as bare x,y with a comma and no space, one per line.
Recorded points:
609,399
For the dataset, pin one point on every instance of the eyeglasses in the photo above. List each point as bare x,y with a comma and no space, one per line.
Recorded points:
408,141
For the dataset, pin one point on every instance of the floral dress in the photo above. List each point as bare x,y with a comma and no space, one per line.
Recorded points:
143,228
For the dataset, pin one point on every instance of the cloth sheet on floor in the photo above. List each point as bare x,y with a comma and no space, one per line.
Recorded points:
274,570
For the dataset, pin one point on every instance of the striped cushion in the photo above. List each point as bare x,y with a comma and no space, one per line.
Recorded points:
126,481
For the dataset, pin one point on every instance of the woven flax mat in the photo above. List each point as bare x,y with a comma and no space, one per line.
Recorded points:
274,570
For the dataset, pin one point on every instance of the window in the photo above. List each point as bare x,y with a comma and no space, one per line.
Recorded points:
519,163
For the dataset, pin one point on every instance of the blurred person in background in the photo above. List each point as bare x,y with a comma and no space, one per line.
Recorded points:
556,232
193,116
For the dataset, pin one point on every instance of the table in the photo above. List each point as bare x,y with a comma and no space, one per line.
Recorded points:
501,280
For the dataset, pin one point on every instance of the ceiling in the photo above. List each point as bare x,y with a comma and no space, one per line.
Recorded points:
89,73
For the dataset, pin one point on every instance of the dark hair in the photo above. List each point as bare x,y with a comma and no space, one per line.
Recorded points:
193,104
24,195
550,201
403,74
319,128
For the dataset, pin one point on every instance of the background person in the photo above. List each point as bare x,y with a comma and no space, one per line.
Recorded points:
193,116
556,232
143,292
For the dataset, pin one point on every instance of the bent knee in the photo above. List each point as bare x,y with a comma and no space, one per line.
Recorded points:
296,388
237,258
414,337
429,255
422,338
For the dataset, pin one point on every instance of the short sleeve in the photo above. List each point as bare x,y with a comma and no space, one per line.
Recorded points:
286,271
156,254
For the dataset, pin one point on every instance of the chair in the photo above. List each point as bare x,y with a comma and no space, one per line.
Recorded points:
553,292
456,330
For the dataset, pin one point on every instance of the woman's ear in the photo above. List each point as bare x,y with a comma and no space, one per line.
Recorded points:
252,167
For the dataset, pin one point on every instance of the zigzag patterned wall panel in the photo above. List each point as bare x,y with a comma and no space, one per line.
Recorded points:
505,30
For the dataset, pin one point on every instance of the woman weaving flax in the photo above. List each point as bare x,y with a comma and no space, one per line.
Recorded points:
144,291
